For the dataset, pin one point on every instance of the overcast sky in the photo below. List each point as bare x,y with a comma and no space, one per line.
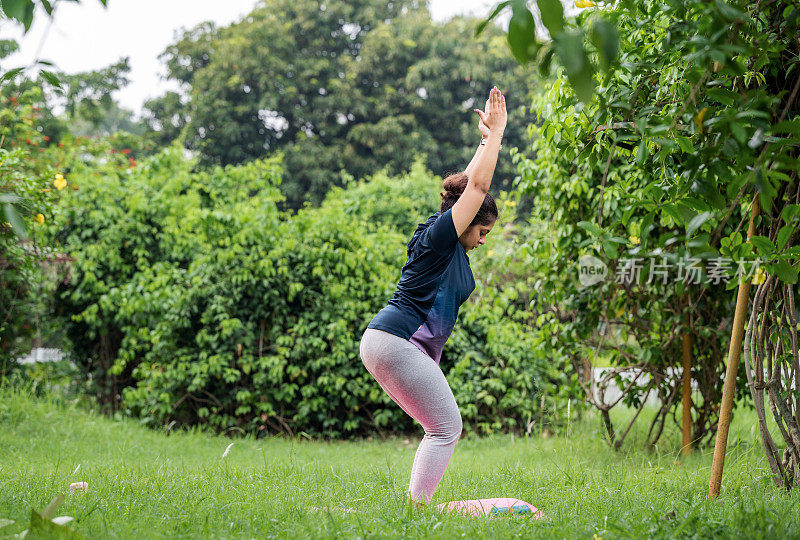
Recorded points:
86,36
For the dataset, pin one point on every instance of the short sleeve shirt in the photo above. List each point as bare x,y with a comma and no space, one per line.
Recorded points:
435,281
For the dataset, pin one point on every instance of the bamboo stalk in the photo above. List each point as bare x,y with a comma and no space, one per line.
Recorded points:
729,389
687,393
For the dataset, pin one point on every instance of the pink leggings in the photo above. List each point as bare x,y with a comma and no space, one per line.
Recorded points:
416,383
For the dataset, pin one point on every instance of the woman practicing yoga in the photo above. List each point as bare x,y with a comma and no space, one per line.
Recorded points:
403,343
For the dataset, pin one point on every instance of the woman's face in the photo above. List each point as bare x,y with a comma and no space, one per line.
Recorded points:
475,236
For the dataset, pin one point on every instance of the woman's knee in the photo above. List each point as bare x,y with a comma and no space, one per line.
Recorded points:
448,431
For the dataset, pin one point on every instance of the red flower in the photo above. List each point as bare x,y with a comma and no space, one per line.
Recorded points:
61,145
28,141
46,138
126,151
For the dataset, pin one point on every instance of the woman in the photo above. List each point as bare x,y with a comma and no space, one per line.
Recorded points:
403,343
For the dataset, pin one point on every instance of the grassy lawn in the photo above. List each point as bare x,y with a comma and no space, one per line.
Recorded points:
145,483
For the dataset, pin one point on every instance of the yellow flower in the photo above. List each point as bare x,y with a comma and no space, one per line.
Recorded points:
584,3
759,277
59,182
40,219
512,204
491,252
635,240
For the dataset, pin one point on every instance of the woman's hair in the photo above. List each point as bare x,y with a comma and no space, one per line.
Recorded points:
454,185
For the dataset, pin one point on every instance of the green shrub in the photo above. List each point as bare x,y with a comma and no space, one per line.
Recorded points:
197,302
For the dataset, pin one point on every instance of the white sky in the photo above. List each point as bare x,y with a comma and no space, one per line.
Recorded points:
86,36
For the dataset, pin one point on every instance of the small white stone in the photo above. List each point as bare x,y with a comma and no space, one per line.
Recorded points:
78,486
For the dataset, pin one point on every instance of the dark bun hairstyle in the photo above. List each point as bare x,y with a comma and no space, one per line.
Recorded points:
454,185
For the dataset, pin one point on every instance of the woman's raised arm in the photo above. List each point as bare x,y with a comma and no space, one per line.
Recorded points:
480,176
484,129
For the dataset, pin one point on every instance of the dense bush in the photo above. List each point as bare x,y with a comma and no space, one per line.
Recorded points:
29,188
696,121
197,302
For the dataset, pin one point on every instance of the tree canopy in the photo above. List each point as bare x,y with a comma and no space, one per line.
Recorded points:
337,86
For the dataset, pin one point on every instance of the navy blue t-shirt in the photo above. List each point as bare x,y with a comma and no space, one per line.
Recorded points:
435,281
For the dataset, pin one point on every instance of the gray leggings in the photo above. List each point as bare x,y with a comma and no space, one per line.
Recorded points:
416,383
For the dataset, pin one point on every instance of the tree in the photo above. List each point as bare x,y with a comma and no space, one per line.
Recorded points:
696,121
89,104
339,86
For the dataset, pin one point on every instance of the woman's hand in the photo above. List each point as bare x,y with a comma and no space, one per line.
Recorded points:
483,128
495,117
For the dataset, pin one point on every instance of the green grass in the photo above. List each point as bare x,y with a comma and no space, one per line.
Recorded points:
150,484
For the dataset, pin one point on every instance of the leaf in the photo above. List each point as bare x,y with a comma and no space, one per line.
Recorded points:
580,72
783,235
44,527
498,8
790,211
589,227
606,39
641,153
522,34
763,244
17,225
787,126
9,198
610,249
728,11
11,73
50,509
697,222
672,211
48,7
685,143
544,64
552,15
15,9
785,271
27,19
52,78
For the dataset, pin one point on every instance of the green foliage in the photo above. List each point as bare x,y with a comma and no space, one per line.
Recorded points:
23,10
341,88
197,302
684,132
567,41
27,198
89,106
383,201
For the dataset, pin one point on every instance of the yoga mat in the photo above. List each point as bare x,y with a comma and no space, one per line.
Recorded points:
499,506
